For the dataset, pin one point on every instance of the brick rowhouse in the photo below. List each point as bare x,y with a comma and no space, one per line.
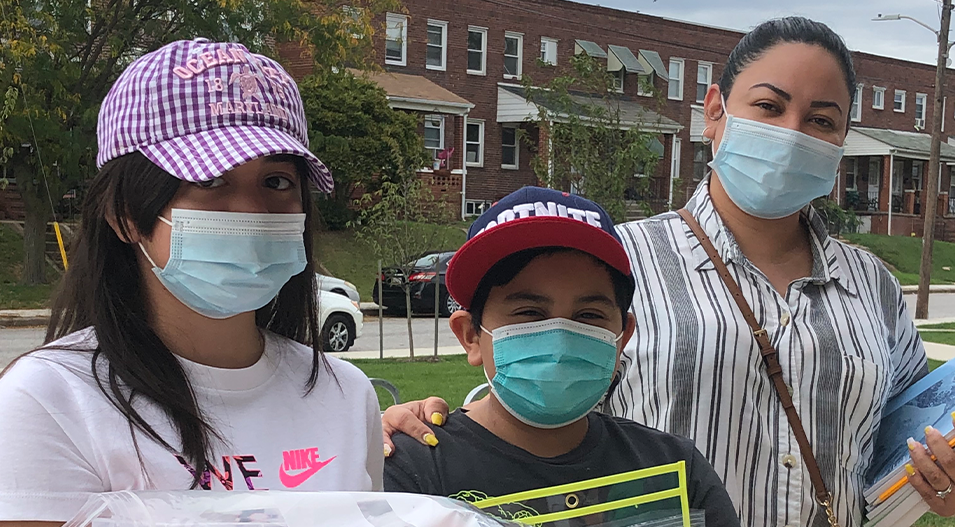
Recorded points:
689,53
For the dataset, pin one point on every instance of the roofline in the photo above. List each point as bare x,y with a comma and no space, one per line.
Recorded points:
411,103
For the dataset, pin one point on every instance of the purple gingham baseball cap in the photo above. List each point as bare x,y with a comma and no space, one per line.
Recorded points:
198,108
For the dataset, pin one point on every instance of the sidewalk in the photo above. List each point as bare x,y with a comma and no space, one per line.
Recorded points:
18,318
402,353
13,318
935,288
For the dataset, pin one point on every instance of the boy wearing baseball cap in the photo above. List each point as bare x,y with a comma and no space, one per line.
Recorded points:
546,286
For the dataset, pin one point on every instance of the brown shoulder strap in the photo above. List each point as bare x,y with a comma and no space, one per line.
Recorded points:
768,353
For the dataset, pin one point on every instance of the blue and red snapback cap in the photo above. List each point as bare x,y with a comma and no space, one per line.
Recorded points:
531,218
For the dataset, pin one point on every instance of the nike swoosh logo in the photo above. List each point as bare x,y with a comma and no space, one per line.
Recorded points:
291,481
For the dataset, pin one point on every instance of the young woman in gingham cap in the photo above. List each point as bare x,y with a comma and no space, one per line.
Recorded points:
184,347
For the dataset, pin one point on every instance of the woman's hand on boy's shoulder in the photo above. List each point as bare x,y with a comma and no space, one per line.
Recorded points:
410,419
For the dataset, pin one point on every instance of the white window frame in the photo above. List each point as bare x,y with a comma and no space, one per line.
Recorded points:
924,98
852,165
517,148
394,19
480,143
551,44
675,154
444,45
645,79
353,15
483,50
855,109
878,94
897,93
708,66
520,54
621,76
427,120
475,204
675,81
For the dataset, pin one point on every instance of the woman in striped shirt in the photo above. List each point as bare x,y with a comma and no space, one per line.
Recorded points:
845,341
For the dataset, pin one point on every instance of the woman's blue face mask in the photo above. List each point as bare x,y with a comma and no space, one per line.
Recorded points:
772,172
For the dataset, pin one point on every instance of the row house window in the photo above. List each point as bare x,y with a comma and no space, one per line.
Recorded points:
855,113
675,84
878,98
477,50
437,54
704,77
899,103
513,55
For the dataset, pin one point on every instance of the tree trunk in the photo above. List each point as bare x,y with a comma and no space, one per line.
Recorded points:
34,231
408,314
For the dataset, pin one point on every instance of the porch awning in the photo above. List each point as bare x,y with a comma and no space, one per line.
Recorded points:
653,60
590,48
513,107
622,58
863,141
416,93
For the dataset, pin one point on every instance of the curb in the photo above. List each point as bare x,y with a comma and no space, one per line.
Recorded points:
934,289
23,322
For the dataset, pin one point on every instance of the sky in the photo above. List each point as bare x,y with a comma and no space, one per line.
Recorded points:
852,19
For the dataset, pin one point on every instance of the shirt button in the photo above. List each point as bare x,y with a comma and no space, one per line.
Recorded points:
784,319
789,461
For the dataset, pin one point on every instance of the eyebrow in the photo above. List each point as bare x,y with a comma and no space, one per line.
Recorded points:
530,297
785,95
541,299
597,299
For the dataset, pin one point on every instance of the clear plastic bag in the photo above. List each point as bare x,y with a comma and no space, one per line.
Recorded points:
277,509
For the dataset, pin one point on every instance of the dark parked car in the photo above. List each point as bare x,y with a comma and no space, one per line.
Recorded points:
423,280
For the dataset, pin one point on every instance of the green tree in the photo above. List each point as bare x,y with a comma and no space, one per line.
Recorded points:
353,130
593,149
58,59
403,221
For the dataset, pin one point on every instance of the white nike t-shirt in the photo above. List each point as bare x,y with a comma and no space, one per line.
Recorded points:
61,439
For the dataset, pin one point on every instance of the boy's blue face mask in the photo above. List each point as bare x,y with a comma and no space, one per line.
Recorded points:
553,372
225,263
772,172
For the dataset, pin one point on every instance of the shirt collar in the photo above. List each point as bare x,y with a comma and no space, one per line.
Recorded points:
828,264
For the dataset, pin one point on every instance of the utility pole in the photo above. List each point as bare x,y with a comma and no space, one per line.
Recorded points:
931,193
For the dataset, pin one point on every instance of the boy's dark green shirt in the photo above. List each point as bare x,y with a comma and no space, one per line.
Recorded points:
471,463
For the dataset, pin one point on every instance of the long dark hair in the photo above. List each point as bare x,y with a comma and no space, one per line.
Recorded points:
792,29
103,289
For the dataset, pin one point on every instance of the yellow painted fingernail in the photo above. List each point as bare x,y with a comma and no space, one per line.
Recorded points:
911,442
910,469
953,416
437,419
928,429
430,440
387,451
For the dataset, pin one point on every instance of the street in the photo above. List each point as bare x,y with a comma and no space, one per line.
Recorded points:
15,341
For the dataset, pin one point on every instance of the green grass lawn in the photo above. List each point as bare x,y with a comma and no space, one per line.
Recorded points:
450,378
904,255
12,294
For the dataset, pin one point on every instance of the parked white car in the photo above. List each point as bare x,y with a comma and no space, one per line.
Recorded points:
337,285
341,321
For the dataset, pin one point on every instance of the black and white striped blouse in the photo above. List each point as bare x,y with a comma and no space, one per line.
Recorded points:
846,344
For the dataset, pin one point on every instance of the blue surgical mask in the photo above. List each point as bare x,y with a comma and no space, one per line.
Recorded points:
225,263
553,372
771,172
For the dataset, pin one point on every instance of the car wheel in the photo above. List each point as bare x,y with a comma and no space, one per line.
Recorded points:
448,304
338,333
